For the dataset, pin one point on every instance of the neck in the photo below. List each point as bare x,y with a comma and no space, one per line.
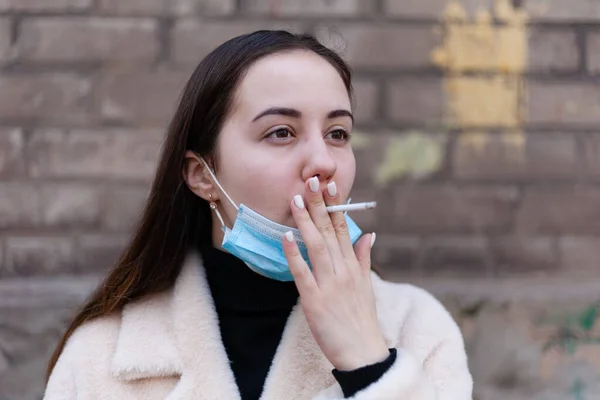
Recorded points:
217,233
234,286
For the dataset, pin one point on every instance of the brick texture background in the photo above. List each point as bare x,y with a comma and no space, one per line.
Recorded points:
87,88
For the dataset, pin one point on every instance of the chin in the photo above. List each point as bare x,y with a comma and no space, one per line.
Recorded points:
285,219
289,222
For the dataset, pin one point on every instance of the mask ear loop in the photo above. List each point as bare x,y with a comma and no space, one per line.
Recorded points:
212,204
218,184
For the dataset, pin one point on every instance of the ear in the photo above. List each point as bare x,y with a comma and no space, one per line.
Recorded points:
197,177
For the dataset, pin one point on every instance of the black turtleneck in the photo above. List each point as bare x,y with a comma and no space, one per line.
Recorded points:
253,311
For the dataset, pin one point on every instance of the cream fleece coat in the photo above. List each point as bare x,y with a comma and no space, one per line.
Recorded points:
168,346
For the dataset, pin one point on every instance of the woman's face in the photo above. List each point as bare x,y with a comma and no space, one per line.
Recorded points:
291,120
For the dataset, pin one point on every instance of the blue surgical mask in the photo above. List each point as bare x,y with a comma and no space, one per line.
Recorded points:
257,240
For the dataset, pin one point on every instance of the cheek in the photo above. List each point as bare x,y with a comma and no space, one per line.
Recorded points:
264,189
345,175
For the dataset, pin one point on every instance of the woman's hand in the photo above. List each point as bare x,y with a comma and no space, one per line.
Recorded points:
337,297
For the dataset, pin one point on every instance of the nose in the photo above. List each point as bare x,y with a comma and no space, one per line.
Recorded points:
319,161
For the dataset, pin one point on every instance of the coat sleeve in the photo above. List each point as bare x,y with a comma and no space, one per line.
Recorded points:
61,384
431,362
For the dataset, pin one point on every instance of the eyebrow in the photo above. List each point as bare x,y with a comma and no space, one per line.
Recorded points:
293,113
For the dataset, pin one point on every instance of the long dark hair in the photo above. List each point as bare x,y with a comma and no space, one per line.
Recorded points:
174,219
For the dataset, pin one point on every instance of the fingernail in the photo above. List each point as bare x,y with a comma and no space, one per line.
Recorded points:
289,236
298,201
331,189
373,237
313,184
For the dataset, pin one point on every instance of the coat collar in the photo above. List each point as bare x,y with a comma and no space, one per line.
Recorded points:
176,334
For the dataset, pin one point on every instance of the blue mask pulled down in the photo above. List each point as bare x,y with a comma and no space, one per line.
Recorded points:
257,240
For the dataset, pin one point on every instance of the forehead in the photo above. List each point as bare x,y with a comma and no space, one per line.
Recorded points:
299,79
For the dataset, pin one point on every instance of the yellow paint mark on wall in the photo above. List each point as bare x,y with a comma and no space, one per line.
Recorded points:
505,11
473,140
415,154
477,44
481,145
484,101
493,99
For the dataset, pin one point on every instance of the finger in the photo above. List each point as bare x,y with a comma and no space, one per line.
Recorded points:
318,252
363,251
315,203
303,277
338,219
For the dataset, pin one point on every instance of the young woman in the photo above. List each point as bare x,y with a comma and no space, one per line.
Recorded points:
238,282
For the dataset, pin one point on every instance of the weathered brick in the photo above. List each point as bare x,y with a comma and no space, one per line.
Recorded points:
114,153
5,38
12,143
99,252
88,39
413,100
19,205
123,207
560,210
192,40
45,292
28,336
319,8
69,204
456,256
580,254
45,5
450,209
366,94
515,156
591,154
143,98
552,103
369,148
396,255
431,8
45,97
26,256
553,49
387,157
524,254
132,7
562,11
367,221
382,45
593,52
185,8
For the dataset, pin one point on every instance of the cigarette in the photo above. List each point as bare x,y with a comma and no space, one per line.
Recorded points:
352,207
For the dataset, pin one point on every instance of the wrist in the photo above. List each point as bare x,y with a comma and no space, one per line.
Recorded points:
368,355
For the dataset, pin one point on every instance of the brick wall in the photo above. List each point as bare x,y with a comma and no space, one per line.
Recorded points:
478,132
496,160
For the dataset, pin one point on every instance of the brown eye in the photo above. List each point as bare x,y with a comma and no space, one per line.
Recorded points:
338,134
281,133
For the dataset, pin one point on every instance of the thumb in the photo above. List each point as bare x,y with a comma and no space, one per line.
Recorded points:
363,250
